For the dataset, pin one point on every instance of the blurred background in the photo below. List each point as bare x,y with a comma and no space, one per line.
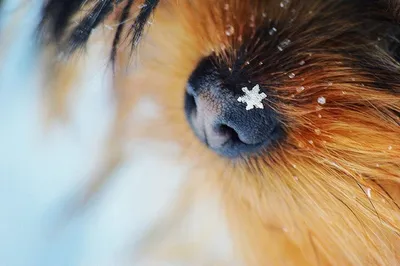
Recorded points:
42,168
45,167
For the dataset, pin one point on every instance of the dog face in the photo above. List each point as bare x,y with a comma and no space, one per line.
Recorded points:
314,153
307,87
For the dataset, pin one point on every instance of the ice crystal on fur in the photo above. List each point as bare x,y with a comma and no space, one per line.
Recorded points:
252,98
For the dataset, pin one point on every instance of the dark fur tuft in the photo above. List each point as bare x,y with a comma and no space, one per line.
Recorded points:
141,20
57,15
81,33
120,29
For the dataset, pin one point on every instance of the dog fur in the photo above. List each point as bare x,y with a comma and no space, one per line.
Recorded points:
326,194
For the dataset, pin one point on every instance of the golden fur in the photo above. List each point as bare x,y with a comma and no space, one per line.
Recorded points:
329,194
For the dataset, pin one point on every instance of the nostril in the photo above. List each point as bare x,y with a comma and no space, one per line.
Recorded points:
230,133
190,103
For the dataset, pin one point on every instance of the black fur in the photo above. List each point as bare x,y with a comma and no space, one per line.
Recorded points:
120,29
57,15
81,33
141,20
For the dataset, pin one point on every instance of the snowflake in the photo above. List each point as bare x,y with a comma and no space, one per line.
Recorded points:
252,98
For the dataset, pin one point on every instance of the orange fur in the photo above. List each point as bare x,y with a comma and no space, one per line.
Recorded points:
307,201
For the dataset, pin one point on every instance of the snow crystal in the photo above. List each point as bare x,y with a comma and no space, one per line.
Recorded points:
321,100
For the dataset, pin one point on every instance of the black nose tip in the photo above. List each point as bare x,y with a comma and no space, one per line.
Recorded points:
222,122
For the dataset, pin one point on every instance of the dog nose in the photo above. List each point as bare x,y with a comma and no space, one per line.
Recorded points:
206,120
222,122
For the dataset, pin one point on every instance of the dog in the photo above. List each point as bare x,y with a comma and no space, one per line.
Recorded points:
290,110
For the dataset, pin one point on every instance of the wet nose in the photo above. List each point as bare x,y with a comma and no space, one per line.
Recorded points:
222,122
